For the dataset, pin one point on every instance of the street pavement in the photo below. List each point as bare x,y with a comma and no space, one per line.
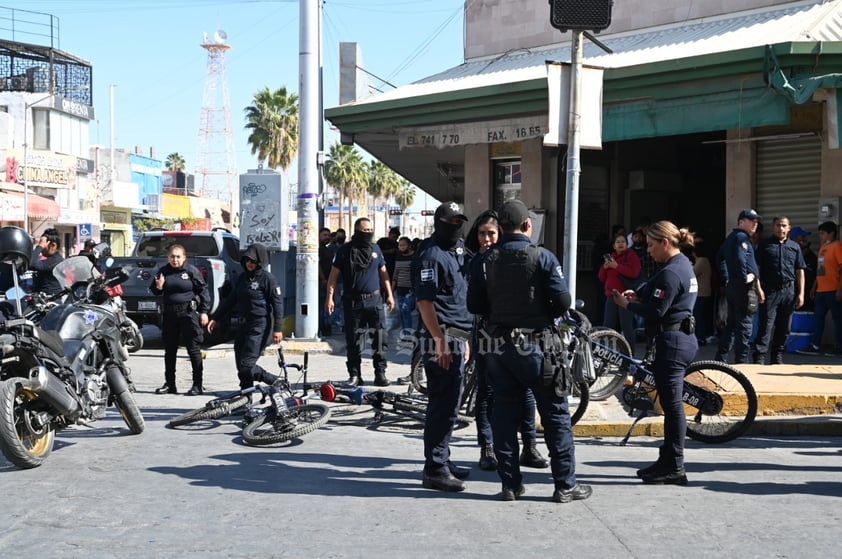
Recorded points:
353,489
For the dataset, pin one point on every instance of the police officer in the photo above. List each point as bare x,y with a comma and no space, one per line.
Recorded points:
521,292
361,266
438,277
738,272
666,304
781,267
186,306
260,309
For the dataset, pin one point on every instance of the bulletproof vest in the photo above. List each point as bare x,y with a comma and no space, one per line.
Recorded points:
515,292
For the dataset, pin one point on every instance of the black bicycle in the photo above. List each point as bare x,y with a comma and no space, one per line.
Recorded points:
383,402
279,415
720,402
578,392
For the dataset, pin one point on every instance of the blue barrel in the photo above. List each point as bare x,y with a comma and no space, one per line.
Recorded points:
803,322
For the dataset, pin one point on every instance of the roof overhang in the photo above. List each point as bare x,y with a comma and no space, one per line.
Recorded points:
667,69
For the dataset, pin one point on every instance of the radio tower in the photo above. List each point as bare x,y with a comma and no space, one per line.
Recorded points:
216,168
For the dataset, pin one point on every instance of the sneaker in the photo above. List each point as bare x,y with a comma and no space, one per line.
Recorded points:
355,380
578,492
403,381
166,389
809,350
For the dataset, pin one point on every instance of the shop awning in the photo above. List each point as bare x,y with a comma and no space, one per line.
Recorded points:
11,208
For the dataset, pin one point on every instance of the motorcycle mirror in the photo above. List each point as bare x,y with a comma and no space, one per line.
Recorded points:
15,293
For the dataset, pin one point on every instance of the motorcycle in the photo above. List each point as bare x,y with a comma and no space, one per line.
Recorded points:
66,370
130,335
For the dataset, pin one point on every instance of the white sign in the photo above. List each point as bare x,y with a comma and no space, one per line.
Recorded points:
262,215
489,132
558,90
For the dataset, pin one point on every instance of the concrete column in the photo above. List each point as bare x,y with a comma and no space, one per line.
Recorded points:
740,173
477,180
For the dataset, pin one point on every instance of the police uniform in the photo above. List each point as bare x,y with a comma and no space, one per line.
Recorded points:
438,278
521,292
778,263
736,261
260,309
359,263
182,287
666,304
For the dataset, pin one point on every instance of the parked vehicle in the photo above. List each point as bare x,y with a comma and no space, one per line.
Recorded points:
215,253
66,370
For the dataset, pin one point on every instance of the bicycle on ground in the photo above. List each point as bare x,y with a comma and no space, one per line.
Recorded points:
281,414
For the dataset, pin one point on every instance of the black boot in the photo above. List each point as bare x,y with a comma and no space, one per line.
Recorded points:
487,460
531,458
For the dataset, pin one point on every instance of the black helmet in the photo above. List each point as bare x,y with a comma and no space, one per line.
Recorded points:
15,247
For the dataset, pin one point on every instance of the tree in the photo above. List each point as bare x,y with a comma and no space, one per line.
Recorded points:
273,122
405,197
383,183
347,173
175,162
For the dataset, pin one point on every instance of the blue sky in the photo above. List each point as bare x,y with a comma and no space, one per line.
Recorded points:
150,51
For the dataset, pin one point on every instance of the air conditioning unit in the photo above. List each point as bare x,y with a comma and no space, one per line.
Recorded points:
154,203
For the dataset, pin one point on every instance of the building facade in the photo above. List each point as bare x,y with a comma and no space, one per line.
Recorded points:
707,107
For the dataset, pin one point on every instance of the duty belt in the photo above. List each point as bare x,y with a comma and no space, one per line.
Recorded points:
180,307
360,296
779,286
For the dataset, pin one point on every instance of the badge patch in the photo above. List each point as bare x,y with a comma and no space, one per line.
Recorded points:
90,317
659,294
745,246
184,275
427,274
559,272
694,285
278,291
254,286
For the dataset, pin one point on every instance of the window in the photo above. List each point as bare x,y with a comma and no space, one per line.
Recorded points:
41,129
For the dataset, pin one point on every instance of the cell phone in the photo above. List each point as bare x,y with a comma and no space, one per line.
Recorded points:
606,257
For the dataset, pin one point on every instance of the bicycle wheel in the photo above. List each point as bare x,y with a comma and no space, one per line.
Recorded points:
609,377
216,408
578,400
417,376
301,420
727,402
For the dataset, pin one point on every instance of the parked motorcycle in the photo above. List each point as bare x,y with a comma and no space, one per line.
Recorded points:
130,334
66,370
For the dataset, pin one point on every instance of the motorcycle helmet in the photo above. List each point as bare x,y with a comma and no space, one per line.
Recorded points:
15,247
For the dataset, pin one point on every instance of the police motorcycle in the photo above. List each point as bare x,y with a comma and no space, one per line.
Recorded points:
130,335
66,370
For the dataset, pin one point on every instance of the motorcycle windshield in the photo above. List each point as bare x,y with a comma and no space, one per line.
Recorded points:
75,269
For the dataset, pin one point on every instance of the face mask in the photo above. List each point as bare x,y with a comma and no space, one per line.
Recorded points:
362,238
447,234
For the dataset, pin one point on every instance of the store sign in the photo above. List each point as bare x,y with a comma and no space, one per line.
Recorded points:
590,109
489,132
42,168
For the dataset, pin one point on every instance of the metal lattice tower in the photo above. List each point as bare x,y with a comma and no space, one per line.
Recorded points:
216,167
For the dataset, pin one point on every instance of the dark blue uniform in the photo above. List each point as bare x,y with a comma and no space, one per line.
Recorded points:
736,261
541,297
778,263
362,305
181,317
438,275
44,280
666,301
260,309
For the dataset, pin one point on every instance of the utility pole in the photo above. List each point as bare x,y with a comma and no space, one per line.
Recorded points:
307,255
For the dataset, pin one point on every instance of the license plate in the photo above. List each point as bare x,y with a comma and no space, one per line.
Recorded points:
147,306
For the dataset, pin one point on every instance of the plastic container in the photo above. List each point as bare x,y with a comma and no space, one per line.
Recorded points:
803,322
797,340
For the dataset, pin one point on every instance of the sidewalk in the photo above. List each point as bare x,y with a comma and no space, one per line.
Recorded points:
801,397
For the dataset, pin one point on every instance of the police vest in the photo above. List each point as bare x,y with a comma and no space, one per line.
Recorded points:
516,294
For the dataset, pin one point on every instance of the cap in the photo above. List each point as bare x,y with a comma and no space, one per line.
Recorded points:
90,243
798,232
449,210
748,213
514,212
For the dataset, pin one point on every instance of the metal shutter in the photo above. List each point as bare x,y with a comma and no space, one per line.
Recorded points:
789,181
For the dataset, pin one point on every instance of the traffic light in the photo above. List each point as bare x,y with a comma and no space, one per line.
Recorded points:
395,212
427,212
591,15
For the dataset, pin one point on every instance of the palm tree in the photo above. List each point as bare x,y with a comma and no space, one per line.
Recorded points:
273,121
175,162
383,183
405,198
347,173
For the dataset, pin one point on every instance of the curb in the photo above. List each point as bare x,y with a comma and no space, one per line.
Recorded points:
790,425
292,346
